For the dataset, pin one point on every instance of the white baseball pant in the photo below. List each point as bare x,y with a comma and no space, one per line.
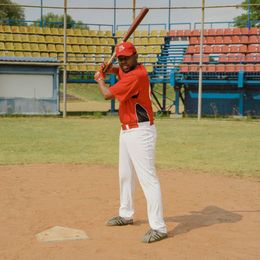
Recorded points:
136,155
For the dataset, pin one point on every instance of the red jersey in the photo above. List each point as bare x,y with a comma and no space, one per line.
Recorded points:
133,93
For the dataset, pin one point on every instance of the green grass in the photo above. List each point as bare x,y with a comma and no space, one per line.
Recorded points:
214,146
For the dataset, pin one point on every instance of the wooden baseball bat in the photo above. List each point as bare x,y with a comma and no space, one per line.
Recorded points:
131,29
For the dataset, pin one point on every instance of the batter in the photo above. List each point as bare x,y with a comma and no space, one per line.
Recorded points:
137,140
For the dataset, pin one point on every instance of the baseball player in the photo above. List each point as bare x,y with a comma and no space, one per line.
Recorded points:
137,140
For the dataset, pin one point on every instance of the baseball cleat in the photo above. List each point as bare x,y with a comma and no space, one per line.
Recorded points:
153,236
119,221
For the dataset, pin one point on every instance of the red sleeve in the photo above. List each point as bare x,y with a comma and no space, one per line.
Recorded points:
125,88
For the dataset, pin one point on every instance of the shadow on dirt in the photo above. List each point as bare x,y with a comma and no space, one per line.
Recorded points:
208,216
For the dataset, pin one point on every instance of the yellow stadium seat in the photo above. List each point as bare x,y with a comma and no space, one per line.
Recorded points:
25,38
107,49
92,49
53,55
18,46
163,33
7,28
59,48
154,33
9,46
19,53
51,47
41,38
137,41
95,41
80,57
46,30
17,38
83,49
82,67
85,32
100,58
2,37
27,54
55,31
57,39
75,48
108,33
157,49
88,40
2,46
26,46
93,32
15,29
111,41
34,47
9,37
42,47
120,34
80,40
72,67
36,54
33,38
72,40
45,54
103,41
38,30
91,58
149,67
149,49
140,49
152,40
91,67
2,53
23,29
48,39
77,32
70,32
31,29
160,40
144,41
99,49
9,53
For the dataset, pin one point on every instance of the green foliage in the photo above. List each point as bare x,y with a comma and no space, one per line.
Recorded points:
12,12
242,20
55,20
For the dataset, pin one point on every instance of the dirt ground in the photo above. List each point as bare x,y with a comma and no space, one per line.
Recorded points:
208,217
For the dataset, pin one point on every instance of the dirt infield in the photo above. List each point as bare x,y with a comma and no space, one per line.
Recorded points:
208,217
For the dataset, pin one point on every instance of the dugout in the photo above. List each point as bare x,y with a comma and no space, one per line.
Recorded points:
29,86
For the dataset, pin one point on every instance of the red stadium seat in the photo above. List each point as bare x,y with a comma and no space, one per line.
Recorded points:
172,33
253,39
228,31
196,58
195,32
218,40
243,48
223,58
244,39
180,33
191,49
194,40
197,49
187,58
249,67
220,31
244,31
234,48
210,32
187,32
220,68
236,31
235,39
207,49
254,31
257,67
184,68
217,48
257,57
230,68
252,48
239,67
211,68
209,40
225,48
194,68
250,57
227,39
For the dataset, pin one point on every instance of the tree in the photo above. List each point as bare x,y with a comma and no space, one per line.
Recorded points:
55,20
11,13
242,20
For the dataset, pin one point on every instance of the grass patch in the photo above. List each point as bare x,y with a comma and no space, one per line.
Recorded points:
214,146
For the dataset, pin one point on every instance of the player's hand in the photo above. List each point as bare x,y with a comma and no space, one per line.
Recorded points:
105,65
99,75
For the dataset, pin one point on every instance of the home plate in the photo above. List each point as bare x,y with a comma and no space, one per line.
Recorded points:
58,234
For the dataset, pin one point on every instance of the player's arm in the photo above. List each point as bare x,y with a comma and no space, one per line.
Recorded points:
103,89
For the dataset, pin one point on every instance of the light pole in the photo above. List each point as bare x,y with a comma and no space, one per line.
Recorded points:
169,16
41,14
249,14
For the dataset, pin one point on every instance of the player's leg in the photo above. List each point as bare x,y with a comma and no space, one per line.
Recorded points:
126,180
141,146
